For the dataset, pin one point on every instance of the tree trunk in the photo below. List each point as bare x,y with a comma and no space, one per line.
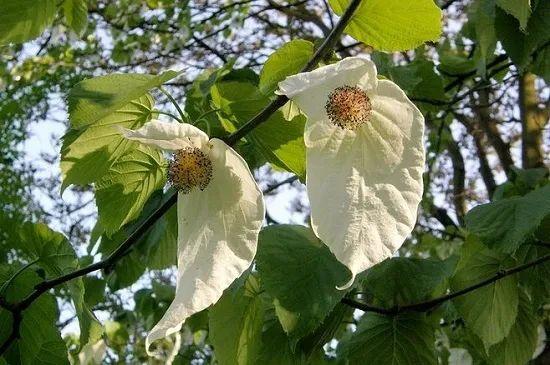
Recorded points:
532,123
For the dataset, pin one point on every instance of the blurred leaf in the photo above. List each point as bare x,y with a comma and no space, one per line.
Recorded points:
520,9
122,193
287,60
301,274
405,339
88,154
76,15
507,223
489,311
93,99
521,182
235,323
393,25
23,20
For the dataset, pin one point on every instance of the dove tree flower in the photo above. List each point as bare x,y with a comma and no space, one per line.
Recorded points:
365,158
220,213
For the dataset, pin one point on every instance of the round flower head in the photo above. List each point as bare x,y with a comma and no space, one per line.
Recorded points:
220,214
365,158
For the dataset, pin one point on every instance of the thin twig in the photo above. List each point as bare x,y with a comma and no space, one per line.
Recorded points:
432,303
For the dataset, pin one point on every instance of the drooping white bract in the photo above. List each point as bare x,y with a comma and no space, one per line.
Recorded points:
365,158
220,214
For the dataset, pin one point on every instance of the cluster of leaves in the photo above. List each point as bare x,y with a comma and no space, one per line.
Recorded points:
287,310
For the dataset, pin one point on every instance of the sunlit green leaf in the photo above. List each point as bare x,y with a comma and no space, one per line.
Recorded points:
93,99
287,60
122,193
393,25
88,154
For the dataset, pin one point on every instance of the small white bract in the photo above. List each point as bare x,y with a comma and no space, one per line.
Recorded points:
365,158
220,214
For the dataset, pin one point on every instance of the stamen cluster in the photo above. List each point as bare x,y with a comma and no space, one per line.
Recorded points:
348,107
189,168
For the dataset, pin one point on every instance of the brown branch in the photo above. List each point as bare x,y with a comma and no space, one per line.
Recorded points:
480,142
432,303
459,178
489,125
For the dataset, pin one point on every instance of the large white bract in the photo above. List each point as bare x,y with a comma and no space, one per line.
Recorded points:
218,226
365,158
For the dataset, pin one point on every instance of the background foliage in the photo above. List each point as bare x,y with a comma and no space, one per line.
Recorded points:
69,202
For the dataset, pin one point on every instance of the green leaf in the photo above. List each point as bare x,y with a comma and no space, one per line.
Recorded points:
541,63
132,266
520,9
482,15
405,339
507,223
401,280
95,290
235,323
276,348
301,274
521,182
279,140
23,20
87,154
287,60
76,15
489,311
122,193
56,256
162,241
538,290
93,99
40,341
393,25
518,347
522,46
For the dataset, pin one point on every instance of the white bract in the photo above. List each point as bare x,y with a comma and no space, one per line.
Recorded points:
220,214
365,158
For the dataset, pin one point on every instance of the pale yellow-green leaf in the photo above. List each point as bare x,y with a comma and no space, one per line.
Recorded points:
393,25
